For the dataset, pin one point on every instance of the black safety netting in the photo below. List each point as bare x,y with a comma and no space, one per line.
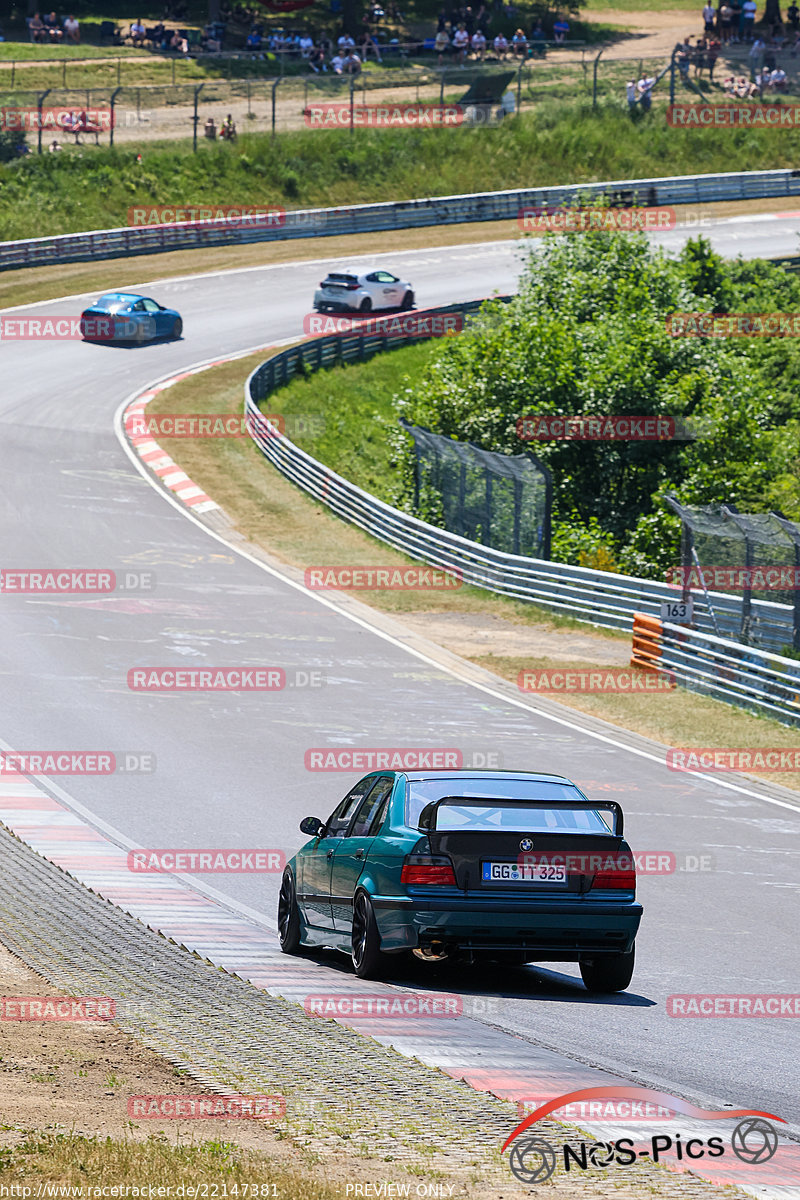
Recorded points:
754,556
500,500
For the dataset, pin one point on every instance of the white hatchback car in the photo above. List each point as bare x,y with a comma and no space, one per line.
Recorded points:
367,291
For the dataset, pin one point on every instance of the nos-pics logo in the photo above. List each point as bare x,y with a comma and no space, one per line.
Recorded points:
533,1159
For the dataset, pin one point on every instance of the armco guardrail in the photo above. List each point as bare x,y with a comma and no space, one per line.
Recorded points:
599,597
405,214
740,675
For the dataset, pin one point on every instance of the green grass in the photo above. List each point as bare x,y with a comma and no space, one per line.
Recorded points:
354,402
556,144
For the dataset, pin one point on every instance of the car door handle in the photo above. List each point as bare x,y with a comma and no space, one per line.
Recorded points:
358,854
329,854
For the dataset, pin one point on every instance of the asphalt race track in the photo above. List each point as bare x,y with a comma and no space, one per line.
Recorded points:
230,768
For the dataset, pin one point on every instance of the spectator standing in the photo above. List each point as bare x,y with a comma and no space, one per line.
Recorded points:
749,8
756,54
737,21
306,45
478,43
630,94
72,29
253,40
725,20
712,54
441,44
645,87
793,17
709,14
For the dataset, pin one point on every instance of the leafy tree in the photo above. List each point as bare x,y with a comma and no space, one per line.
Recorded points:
587,334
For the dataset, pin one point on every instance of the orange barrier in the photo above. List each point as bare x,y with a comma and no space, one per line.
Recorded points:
647,647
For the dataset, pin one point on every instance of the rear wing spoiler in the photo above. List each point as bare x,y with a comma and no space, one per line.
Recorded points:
429,815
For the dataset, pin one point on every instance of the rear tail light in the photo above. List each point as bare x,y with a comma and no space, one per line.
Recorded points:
620,878
427,870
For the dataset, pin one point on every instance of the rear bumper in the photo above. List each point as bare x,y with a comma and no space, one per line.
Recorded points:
325,304
559,932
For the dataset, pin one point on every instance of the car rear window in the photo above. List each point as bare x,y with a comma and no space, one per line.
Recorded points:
420,792
334,278
517,817
114,300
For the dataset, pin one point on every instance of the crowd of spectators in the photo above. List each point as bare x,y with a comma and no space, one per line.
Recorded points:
732,22
50,30
463,33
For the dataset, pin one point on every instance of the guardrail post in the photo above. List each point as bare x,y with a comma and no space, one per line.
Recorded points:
195,117
274,90
112,103
13,71
39,105
594,79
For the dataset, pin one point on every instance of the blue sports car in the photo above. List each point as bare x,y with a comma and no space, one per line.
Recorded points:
128,317
466,865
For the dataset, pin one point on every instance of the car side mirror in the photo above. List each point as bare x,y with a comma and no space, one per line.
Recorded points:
312,826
